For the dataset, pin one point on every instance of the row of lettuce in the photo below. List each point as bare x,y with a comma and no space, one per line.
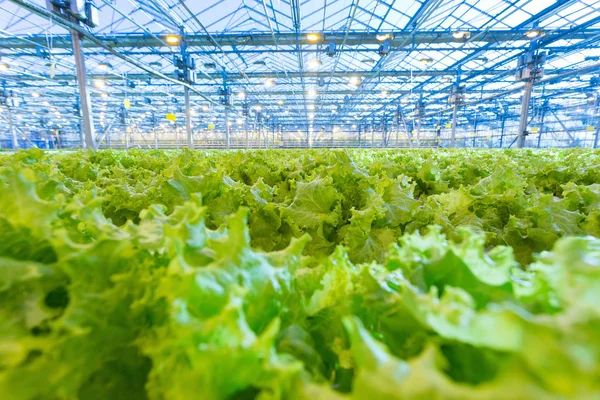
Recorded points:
363,200
296,275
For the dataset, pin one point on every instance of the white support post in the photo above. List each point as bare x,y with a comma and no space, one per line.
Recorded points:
84,96
454,120
524,114
11,127
246,129
188,119
227,132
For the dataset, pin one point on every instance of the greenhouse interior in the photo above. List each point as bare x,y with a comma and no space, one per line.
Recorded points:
287,74
299,200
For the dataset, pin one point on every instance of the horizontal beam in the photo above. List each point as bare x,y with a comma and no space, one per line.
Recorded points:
278,75
299,95
229,40
305,50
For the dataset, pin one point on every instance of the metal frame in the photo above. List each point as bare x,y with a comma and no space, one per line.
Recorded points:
245,43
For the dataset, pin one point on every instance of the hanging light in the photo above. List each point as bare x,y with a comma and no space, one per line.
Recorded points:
205,108
4,67
384,36
426,60
310,107
461,35
104,95
534,33
269,83
103,65
35,94
315,63
99,83
258,107
172,39
354,81
311,116
280,102
241,95
314,37
384,93
312,93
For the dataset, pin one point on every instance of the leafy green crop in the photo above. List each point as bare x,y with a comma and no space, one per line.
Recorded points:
300,275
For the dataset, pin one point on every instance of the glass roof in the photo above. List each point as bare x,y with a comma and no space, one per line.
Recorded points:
244,43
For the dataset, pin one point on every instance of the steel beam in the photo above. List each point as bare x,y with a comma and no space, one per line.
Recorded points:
204,78
265,39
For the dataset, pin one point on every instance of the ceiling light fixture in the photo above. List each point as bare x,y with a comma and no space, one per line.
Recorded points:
461,35
534,33
311,93
315,63
314,37
384,36
354,81
4,67
173,40
269,83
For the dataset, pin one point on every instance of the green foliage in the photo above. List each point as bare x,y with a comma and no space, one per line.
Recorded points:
300,275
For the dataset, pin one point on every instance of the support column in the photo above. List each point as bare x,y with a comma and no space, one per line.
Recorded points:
597,111
454,119
227,140
11,127
359,134
524,113
188,119
503,124
542,127
397,125
475,129
84,96
419,131
246,128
